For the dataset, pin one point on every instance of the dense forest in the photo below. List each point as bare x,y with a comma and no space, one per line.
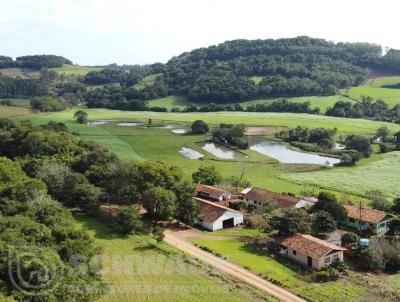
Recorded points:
34,62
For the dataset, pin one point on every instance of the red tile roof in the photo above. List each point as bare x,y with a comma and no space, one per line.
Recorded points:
209,190
367,215
210,212
309,245
265,196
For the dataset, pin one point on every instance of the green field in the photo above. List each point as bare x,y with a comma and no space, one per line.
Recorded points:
383,175
75,70
381,81
248,118
390,96
322,102
254,259
147,81
136,268
141,143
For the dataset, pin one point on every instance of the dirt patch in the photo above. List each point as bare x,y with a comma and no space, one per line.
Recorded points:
261,130
12,72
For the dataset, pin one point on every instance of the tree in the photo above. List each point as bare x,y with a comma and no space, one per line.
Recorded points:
350,238
394,226
207,175
128,220
259,223
327,202
323,222
379,201
291,221
187,209
81,117
383,132
359,143
396,206
200,127
159,203
372,258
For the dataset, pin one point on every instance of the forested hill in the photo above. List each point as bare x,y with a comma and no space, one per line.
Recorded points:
34,62
287,67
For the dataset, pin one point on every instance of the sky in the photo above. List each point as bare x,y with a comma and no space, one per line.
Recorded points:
96,32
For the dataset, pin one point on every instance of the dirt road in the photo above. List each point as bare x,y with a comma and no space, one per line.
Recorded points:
176,240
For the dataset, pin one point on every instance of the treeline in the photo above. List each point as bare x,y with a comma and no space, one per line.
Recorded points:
18,87
366,108
34,62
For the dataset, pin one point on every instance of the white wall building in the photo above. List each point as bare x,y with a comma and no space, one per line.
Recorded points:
215,217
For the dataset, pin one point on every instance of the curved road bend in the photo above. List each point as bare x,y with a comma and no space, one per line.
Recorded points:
232,269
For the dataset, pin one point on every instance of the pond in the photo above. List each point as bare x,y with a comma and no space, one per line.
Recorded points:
100,122
190,153
127,124
179,131
219,151
282,153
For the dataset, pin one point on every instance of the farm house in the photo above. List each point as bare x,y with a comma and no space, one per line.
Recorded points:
215,217
212,193
310,251
256,197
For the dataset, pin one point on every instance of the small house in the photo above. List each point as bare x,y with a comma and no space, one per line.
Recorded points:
215,217
306,202
310,251
210,192
257,197
361,219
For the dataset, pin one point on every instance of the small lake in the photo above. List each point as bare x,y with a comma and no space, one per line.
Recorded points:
190,153
179,131
129,124
282,153
219,151
100,122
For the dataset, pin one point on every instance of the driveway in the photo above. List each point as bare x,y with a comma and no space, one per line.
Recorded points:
177,238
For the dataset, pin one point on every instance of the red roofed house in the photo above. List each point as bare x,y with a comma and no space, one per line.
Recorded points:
361,218
310,251
257,197
212,193
215,217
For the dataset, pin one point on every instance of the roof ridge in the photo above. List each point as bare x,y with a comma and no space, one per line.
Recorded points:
215,204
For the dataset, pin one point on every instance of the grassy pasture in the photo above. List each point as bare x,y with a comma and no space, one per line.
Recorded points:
381,175
390,96
136,268
75,70
13,111
343,125
381,81
254,259
322,102
147,81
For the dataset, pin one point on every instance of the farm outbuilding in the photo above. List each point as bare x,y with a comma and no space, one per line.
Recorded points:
256,197
210,192
215,217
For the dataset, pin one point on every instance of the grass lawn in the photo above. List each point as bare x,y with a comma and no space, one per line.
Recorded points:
13,111
237,232
170,102
252,258
390,96
381,81
75,69
322,102
147,81
339,291
249,118
136,268
382,174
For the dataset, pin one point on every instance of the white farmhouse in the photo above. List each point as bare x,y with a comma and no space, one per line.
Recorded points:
215,217
310,252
